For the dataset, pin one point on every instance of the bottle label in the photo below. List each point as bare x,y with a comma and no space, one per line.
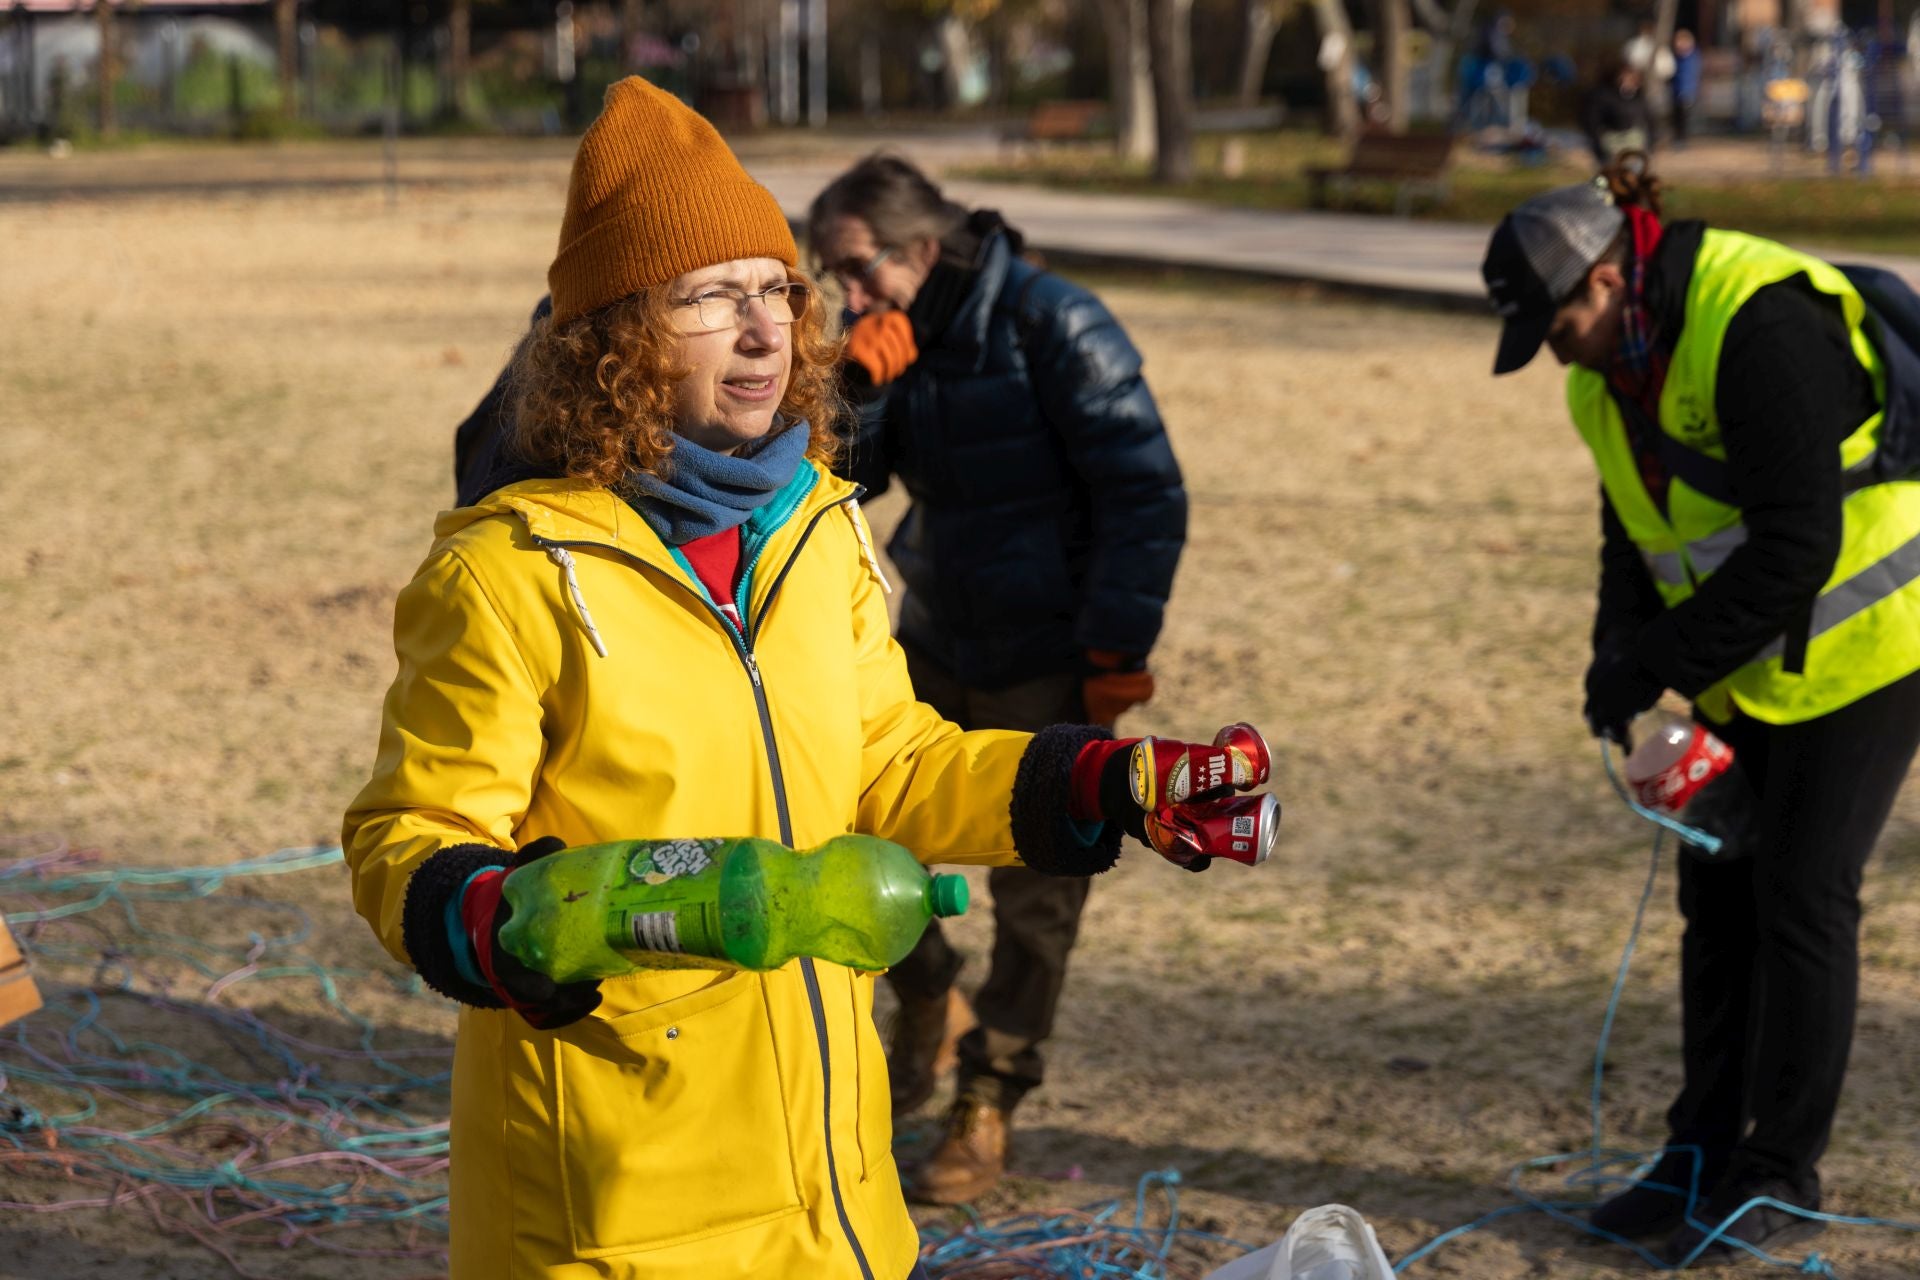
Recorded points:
656,931
668,906
1668,791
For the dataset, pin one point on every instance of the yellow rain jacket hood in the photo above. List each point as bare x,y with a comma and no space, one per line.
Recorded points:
561,674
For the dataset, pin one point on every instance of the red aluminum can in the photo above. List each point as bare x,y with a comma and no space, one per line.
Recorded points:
1167,773
1252,762
1241,828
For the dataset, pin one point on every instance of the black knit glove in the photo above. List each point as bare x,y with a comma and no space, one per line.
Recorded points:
1047,838
451,926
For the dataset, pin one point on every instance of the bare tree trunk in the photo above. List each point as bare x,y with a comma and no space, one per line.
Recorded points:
109,72
1130,71
816,62
1170,32
753,54
286,24
1391,27
789,78
871,101
631,14
1665,16
1449,32
993,43
460,56
1336,63
956,48
1262,25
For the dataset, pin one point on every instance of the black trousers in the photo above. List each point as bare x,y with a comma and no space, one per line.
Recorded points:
1035,918
1770,961
1682,116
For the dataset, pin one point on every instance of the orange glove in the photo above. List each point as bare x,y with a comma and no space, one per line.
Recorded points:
881,342
1109,691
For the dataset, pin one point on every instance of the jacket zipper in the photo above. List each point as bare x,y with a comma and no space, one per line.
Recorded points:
807,973
743,645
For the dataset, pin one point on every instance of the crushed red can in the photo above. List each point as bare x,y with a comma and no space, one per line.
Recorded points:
1167,773
1241,828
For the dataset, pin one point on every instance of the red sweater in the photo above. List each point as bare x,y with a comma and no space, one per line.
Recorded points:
716,562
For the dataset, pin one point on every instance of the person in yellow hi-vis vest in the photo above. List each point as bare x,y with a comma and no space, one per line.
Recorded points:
662,617
1755,560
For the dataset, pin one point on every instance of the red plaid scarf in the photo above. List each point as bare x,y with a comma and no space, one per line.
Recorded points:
1639,370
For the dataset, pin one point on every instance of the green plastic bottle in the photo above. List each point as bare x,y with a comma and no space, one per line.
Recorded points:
603,910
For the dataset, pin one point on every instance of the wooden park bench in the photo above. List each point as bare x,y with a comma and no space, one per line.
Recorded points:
1412,162
1069,120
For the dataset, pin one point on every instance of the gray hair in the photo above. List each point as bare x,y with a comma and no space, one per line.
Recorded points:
889,194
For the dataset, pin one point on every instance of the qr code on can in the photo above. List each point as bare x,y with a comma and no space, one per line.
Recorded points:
1243,827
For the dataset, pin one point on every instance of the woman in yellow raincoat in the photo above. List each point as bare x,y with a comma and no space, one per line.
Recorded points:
666,620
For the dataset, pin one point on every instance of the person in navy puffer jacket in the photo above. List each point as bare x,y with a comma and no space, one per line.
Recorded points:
1046,522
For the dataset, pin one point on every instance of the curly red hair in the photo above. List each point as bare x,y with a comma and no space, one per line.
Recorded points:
593,398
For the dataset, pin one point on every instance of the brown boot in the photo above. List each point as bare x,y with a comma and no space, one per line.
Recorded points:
971,1157
921,1046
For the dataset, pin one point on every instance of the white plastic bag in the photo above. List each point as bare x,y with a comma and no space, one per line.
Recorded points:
1331,1242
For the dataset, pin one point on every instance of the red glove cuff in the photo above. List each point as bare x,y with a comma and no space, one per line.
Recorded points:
1084,802
478,906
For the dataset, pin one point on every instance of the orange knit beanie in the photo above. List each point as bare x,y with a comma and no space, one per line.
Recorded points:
655,193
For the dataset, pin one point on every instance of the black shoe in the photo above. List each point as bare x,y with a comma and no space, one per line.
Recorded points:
1764,1226
1657,1204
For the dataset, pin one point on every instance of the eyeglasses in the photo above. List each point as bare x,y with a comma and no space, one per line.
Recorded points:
851,271
727,308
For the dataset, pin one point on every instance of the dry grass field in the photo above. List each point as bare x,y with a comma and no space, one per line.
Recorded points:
227,391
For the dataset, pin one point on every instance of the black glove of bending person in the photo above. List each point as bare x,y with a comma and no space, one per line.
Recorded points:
1618,689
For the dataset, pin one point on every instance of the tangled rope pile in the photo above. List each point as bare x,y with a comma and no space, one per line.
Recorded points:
293,1138
284,1139
1075,1244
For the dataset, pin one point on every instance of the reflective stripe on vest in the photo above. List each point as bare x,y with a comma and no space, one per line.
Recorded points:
1667,567
1709,553
1705,555
1863,630
1863,590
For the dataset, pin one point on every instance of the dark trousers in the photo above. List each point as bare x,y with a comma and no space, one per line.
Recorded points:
1682,113
1770,962
1035,918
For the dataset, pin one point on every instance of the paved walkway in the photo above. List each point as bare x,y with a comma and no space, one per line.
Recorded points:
1436,262
1433,260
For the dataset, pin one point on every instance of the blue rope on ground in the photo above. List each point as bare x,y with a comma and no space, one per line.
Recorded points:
1599,1170
284,1140
279,1147
1073,1244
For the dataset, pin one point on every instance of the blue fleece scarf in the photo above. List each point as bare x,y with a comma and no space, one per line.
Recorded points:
707,492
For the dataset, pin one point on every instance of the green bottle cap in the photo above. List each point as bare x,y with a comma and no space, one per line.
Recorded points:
949,895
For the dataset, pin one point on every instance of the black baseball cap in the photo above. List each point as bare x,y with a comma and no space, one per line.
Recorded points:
1537,258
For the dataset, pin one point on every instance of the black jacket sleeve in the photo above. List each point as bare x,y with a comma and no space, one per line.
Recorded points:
867,459
476,442
1086,375
1628,598
1789,390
